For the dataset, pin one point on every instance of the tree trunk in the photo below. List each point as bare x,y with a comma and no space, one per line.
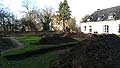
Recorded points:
63,25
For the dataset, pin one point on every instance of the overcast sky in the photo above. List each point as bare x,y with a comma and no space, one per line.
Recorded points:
79,8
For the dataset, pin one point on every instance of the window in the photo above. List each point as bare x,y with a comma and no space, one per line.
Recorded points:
119,28
84,28
90,30
100,18
111,16
106,29
88,20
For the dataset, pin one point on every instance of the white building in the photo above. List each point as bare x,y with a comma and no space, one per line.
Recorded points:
103,21
111,27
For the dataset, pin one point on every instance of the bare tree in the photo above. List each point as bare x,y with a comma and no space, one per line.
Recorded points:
45,18
6,21
28,20
27,5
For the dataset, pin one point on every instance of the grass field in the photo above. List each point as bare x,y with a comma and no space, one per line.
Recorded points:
39,61
35,61
28,40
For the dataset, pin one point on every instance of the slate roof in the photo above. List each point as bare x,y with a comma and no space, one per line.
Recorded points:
105,13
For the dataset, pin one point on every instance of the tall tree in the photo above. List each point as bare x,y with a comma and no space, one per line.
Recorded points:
45,18
6,21
72,24
28,21
64,13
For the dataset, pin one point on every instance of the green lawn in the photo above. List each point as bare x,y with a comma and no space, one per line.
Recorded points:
35,61
28,40
40,61
29,46
32,48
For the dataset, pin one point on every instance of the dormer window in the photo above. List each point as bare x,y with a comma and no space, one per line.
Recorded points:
100,18
111,16
88,19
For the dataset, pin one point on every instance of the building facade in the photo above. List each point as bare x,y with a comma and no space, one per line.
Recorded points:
103,21
109,27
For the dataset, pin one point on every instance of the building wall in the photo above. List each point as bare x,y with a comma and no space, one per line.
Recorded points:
99,27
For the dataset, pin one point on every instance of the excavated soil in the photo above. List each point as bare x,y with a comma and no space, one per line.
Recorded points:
54,39
7,43
98,51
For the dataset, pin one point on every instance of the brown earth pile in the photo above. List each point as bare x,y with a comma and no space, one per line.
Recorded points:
6,44
54,39
98,51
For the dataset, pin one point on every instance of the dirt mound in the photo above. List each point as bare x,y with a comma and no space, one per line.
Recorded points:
91,53
55,39
6,44
105,39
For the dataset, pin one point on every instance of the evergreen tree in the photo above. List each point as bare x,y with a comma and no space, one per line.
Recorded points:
64,13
